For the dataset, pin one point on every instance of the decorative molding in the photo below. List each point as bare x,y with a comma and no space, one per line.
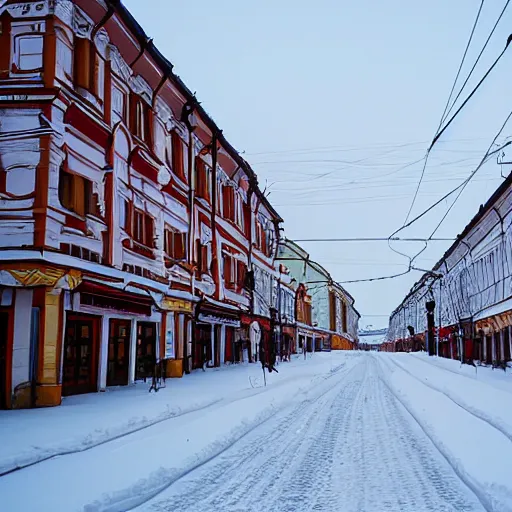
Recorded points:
119,65
82,24
142,88
206,235
64,11
164,176
28,10
101,40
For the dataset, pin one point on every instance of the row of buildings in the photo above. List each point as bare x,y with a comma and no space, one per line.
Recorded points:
130,229
462,309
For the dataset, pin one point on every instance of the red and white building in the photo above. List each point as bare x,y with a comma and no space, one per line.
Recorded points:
130,229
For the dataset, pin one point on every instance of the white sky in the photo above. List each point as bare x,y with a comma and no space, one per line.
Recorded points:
328,99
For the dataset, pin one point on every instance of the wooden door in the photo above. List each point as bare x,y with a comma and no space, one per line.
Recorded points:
118,352
80,366
146,350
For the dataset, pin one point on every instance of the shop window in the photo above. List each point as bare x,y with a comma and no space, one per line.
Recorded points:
28,53
140,123
175,244
203,181
202,258
228,202
143,228
76,195
177,162
87,66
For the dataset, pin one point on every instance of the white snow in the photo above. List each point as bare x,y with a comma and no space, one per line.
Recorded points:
346,431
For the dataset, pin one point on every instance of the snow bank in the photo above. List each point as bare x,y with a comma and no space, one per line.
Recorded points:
120,474
479,453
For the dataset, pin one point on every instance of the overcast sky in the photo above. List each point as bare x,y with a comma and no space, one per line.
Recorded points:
329,99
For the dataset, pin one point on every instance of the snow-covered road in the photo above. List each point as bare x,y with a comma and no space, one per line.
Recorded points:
353,448
359,432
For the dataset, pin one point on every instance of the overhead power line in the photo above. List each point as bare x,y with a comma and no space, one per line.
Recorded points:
461,64
374,239
427,154
447,113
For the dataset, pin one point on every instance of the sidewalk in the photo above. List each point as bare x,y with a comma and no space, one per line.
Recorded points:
84,421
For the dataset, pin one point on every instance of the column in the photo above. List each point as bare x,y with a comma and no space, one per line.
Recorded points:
133,352
103,362
502,345
21,385
222,344
49,387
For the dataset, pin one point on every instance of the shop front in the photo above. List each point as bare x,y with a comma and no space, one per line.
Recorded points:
81,354
177,348
214,329
111,338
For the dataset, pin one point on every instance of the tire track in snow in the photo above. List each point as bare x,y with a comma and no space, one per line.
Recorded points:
460,403
344,456
464,477
171,415
145,490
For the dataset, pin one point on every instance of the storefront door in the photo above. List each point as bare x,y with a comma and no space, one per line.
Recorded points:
4,335
118,352
202,345
146,350
80,369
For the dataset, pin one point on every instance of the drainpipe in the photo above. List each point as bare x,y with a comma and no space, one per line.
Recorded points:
215,270
187,110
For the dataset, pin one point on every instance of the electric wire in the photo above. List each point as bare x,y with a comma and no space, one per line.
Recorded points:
477,60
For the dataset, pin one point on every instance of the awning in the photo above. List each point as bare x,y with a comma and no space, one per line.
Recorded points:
215,314
106,297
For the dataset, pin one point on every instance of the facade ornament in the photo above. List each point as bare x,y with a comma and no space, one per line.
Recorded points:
101,40
64,11
119,65
142,88
82,24
206,234
164,176
37,276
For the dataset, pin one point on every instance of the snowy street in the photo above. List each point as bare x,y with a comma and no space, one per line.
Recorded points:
341,431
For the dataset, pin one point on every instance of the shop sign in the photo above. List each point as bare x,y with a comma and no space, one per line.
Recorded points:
214,319
177,305
169,344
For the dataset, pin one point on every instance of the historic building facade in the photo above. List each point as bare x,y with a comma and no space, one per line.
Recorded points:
325,313
131,230
462,309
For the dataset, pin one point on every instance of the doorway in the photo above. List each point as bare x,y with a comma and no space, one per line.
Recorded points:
118,352
4,340
146,350
80,366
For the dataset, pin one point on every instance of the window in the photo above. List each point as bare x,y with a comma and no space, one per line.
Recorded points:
344,316
87,66
228,202
203,181
118,104
234,273
177,162
28,53
202,258
142,228
140,119
27,47
175,244
76,195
